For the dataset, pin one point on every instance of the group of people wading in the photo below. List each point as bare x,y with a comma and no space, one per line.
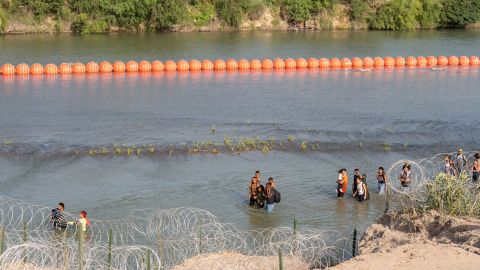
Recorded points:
360,189
456,164
263,197
60,222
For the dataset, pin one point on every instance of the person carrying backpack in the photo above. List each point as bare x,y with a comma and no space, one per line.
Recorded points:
273,196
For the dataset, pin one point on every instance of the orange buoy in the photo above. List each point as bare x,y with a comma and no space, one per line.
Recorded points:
255,64
157,66
346,63
453,60
411,61
243,64
442,60
312,63
170,65
324,63
378,62
368,62
464,61
267,63
389,61
195,65
144,66
431,61
231,64
219,64
400,61
131,66
105,67
474,61
51,69
278,63
207,65
290,63
36,69
65,68
183,65
8,69
302,63
22,69
91,67
357,62
421,61
335,63
76,68
118,66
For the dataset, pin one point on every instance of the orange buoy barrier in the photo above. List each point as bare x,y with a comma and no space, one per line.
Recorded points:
231,64
157,66
105,67
290,63
36,69
357,62
278,63
464,61
312,63
8,69
324,63
255,64
346,63
219,64
91,67
378,62
144,66
301,63
474,61
195,65
207,65
170,65
65,68
183,65
335,63
368,62
400,61
453,60
51,69
131,66
118,66
243,64
411,61
421,61
442,60
22,69
431,61
267,63
389,61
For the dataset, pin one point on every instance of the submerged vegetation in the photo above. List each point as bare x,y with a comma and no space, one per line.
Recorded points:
86,16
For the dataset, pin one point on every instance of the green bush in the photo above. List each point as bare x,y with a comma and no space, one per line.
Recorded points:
453,196
253,8
460,13
297,10
399,15
3,20
203,12
229,11
168,13
430,15
359,9
79,23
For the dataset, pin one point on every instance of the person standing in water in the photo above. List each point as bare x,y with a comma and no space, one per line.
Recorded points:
460,162
476,170
342,182
83,222
356,175
272,197
405,175
58,217
257,175
361,190
381,180
261,197
252,190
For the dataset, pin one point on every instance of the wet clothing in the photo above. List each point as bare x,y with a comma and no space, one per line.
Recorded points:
476,173
261,197
381,183
253,193
460,162
58,218
82,223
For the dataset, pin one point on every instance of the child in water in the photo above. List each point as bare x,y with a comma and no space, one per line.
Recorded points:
83,221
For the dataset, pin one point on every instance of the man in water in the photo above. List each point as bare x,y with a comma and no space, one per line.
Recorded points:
58,217
460,161
257,175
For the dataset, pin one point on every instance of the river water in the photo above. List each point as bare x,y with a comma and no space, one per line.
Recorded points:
356,119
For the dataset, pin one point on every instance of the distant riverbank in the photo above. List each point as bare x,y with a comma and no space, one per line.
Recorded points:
82,16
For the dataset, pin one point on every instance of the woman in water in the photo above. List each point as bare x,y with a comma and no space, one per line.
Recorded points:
476,170
381,180
82,222
252,190
342,182
405,175
361,191
261,197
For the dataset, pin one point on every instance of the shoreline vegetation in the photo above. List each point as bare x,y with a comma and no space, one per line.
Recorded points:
101,16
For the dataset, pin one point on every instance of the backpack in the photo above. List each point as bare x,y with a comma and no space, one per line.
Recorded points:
276,196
